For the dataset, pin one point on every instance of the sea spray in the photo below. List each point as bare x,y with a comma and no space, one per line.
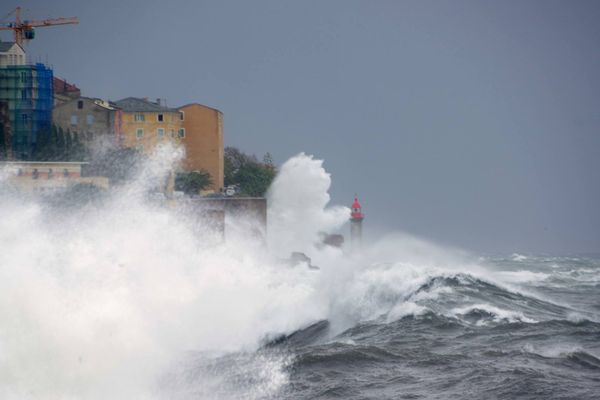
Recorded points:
102,301
99,302
298,206
123,300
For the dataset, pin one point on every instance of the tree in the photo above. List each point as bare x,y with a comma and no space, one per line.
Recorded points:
234,160
42,143
192,182
78,150
252,176
60,152
3,142
254,179
53,144
268,160
68,152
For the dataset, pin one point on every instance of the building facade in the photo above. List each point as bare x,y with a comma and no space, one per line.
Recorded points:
64,91
28,91
95,121
45,177
5,132
144,124
203,141
11,54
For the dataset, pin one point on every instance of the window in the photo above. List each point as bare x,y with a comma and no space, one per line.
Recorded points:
172,133
139,133
160,117
20,172
80,104
35,174
90,119
24,118
73,119
181,116
139,118
23,94
182,132
65,173
160,132
50,173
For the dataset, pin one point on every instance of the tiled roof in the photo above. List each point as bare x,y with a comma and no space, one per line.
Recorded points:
136,104
61,86
5,46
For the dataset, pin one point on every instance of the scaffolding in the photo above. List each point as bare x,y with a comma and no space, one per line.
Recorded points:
28,91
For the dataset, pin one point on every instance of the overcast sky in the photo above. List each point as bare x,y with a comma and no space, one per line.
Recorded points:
471,123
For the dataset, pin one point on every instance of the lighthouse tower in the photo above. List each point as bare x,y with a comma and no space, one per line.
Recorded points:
356,219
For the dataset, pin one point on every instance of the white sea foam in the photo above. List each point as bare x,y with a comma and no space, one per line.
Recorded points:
498,314
404,309
522,276
519,257
103,303
98,304
557,350
220,379
298,206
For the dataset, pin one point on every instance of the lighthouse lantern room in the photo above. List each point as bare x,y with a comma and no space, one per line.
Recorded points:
356,218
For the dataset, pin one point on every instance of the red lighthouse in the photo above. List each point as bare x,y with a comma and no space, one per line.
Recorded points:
356,218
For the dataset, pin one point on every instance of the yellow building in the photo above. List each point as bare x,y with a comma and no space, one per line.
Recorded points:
203,141
143,124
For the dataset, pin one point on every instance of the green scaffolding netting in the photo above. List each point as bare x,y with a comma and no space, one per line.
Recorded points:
28,91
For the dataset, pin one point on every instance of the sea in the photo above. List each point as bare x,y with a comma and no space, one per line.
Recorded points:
120,299
531,333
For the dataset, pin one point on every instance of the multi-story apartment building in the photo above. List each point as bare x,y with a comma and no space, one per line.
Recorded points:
203,141
27,91
145,124
94,120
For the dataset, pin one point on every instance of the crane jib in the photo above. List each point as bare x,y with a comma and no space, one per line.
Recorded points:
23,30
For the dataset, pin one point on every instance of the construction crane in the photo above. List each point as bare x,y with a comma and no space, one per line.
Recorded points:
23,30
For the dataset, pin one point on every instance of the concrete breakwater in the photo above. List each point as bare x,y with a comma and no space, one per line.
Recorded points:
212,218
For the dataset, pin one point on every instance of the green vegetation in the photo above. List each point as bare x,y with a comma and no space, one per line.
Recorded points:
192,182
252,176
58,145
4,144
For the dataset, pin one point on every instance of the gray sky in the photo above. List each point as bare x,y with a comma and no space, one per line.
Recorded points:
472,123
